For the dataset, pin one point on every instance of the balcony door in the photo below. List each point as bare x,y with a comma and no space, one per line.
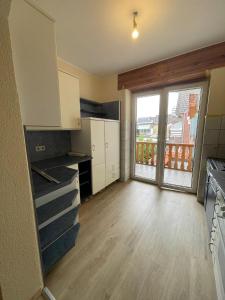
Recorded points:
147,134
167,135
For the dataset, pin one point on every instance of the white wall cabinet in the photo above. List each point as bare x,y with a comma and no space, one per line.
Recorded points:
101,139
69,100
34,55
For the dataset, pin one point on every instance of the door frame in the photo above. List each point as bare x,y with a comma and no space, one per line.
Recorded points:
162,134
133,133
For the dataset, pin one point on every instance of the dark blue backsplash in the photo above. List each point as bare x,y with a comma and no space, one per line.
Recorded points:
56,143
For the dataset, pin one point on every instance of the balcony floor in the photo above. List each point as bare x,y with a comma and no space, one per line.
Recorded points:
173,177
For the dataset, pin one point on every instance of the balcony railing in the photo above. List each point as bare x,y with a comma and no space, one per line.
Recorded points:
177,156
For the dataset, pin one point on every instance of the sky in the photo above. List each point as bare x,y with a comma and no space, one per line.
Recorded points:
148,106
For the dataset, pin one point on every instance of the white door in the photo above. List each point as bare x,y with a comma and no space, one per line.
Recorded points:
98,155
167,135
98,178
69,100
98,142
112,146
183,115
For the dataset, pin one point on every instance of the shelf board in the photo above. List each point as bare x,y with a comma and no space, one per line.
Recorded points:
84,172
92,112
85,182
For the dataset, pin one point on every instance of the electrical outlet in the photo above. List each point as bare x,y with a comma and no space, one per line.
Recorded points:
40,148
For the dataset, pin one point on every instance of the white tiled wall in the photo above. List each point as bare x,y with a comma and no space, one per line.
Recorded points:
213,146
215,135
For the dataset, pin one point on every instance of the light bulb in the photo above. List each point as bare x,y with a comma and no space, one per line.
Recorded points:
135,33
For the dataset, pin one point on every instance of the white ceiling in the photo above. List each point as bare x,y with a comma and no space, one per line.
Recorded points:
96,34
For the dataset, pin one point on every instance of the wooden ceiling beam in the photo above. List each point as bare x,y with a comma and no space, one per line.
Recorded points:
183,68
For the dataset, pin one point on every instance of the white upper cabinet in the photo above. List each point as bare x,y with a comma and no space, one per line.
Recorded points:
69,100
34,56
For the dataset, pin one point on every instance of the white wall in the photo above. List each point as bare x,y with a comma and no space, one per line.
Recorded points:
216,104
92,87
108,88
20,275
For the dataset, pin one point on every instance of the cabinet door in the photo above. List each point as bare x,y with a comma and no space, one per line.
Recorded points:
112,149
98,177
116,174
69,100
97,142
34,56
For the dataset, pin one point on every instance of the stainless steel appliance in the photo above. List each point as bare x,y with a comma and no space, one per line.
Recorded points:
217,244
213,166
215,213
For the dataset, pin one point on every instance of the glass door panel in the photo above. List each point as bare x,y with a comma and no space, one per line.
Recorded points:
181,134
146,136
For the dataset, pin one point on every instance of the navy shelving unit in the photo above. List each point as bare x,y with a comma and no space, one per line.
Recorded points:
56,207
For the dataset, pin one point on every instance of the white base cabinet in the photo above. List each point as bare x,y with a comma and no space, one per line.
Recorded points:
112,151
100,138
98,178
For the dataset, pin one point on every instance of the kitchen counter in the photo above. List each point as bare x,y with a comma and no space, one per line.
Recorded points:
59,161
42,186
219,177
218,173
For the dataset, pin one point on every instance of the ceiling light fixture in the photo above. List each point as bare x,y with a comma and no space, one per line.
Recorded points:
135,32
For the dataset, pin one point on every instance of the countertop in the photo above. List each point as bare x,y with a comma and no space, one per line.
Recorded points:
42,186
59,161
57,168
217,171
219,177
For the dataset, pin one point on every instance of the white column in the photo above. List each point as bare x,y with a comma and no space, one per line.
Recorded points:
125,116
20,275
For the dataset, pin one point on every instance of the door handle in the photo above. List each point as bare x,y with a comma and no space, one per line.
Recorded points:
106,145
93,148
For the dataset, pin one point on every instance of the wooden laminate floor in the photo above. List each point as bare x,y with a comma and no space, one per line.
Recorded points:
137,242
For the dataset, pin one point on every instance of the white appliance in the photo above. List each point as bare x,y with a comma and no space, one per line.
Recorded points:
100,138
